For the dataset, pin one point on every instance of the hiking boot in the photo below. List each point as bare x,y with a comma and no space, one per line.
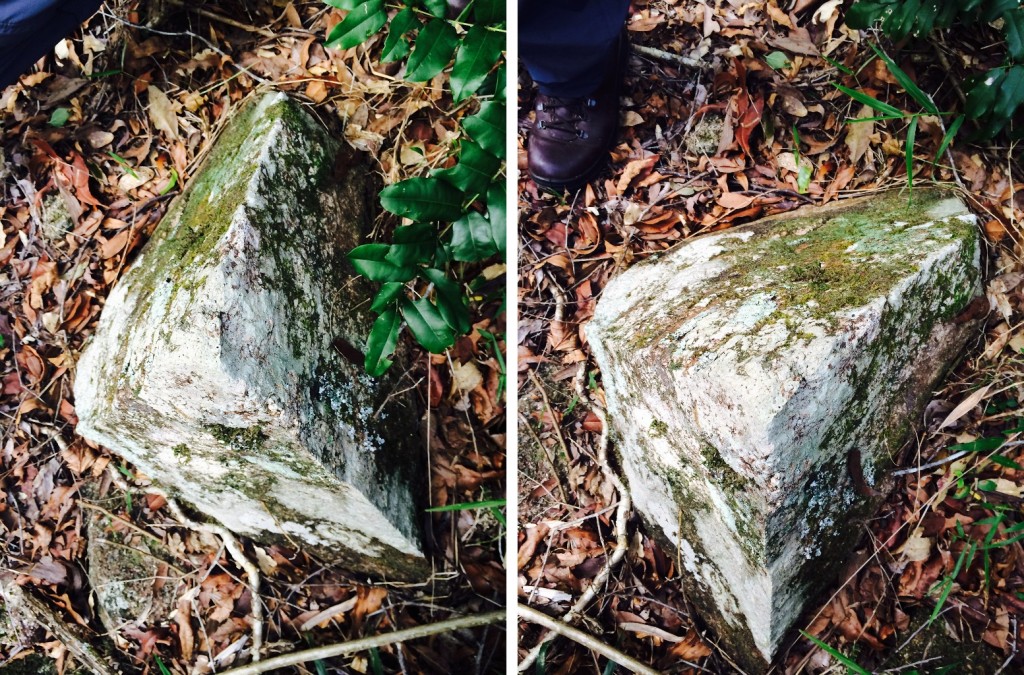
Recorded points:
571,137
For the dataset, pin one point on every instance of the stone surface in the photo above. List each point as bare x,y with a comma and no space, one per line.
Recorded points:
225,364
750,375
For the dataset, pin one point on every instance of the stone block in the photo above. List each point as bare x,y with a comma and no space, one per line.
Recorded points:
226,362
761,381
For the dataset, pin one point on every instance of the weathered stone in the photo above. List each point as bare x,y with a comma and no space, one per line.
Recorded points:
761,380
224,364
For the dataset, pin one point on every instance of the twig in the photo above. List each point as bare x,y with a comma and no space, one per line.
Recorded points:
558,434
362,644
222,19
230,544
621,516
589,641
662,55
915,469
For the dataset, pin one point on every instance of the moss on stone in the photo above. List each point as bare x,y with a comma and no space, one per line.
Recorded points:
247,440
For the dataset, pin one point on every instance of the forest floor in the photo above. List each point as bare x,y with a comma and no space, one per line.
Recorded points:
675,174
108,131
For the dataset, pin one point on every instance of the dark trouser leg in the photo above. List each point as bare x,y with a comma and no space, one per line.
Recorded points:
29,29
568,45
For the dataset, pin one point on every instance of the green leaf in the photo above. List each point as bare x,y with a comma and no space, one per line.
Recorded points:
839,656
370,260
466,506
438,8
499,83
360,24
451,301
427,325
803,177
873,103
1003,460
980,445
983,94
908,156
863,15
413,244
344,4
423,199
375,663
489,12
919,96
433,51
475,170
59,117
387,295
1013,31
496,214
472,239
161,666
777,60
383,340
479,51
395,44
487,127
1011,94
950,135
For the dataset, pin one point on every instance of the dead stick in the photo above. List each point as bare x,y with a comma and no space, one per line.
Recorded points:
662,55
233,548
621,536
362,644
223,19
589,641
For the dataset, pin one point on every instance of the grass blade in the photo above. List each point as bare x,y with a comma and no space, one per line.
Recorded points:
916,93
870,101
839,656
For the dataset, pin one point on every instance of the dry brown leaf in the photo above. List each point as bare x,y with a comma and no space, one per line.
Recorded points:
858,135
161,113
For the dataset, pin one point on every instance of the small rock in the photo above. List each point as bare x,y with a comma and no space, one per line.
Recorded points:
705,136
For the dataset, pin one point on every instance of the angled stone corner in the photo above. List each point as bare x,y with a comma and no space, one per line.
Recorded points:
225,363
760,382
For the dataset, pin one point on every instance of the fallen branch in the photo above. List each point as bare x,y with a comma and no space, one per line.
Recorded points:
662,55
621,516
362,644
589,641
233,548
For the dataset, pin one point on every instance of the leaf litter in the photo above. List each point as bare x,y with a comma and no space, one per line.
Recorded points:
939,579
80,198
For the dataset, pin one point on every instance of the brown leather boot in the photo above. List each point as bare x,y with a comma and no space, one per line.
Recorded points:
571,137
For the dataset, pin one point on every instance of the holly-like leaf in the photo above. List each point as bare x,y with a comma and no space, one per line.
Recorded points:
386,296
497,210
451,301
489,12
433,51
487,127
427,325
360,24
983,94
413,244
480,50
472,239
438,8
1013,30
382,342
475,170
395,44
423,199
370,260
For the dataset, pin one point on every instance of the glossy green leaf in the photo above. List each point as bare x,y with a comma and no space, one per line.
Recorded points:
370,261
423,199
487,127
1011,94
59,117
360,24
433,51
472,239
396,46
497,214
438,8
489,12
908,151
499,86
479,51
863,15
475,170
386,296
982,95
383,340
451,301
1013,31
413,244
427,325
344,4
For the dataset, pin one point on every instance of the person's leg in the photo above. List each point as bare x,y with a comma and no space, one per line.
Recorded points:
30,28
574,51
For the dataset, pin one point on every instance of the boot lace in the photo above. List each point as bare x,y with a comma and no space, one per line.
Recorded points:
563,115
